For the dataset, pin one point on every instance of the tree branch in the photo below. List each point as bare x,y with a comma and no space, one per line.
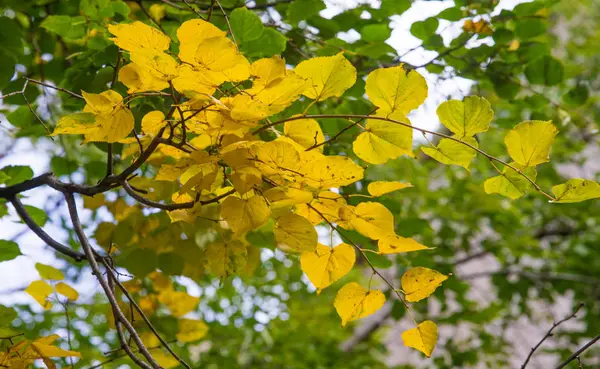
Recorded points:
43,235
578,352
549,334
89,253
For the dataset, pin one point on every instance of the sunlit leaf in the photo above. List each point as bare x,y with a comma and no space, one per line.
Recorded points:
419,282
354,302
326,265
529,142
423,337
576,190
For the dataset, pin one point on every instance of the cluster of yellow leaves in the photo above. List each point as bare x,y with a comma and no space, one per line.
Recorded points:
285,184
23,354
41,290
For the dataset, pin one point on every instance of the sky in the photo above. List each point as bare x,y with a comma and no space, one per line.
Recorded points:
18,273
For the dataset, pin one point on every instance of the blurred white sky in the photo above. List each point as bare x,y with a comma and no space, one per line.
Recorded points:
18,273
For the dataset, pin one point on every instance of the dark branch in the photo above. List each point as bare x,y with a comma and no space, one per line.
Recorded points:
89,253
43,235
578,352
549,334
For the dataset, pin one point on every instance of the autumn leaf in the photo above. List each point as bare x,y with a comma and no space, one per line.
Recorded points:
510,183
576,190
49,272
395,90
327,76
384,140
449,152
394,244
326,265
423,337
295,233
353,302
191,330
466,118
40,290
379,188
373,220
227,258
67,291
419,282
529,142
245,215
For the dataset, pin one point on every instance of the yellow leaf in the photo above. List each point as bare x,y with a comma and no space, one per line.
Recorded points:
423,337
138,36
466,118
373,220
384,140
267,71
138,79
67,291
225,259
76,124
296,233
306,132
164,359
481,27
326,203
262,101
451,152
193,83
379,188
576,190
327,76
52,351
418,283
40,290
161,66
157,11
153,122
180,303
394,244
276,158
280,197
354,302
245,178
114,120
245,215
529,142
510,184
326,265
324,172
193,32
191,330
49,272
395,90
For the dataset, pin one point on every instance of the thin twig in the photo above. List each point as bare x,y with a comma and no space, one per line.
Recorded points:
54,87
550,334
577,353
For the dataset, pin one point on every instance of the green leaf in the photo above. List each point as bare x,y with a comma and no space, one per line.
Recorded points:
527,28
97,9
379,261
11,38
170,263
38,215
8,251
7,316
140,261
246,25
65,26
577,96
576,190
304,9
375,32
544,71
270,43
451,14
424,29
7,67
14,174
394,7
